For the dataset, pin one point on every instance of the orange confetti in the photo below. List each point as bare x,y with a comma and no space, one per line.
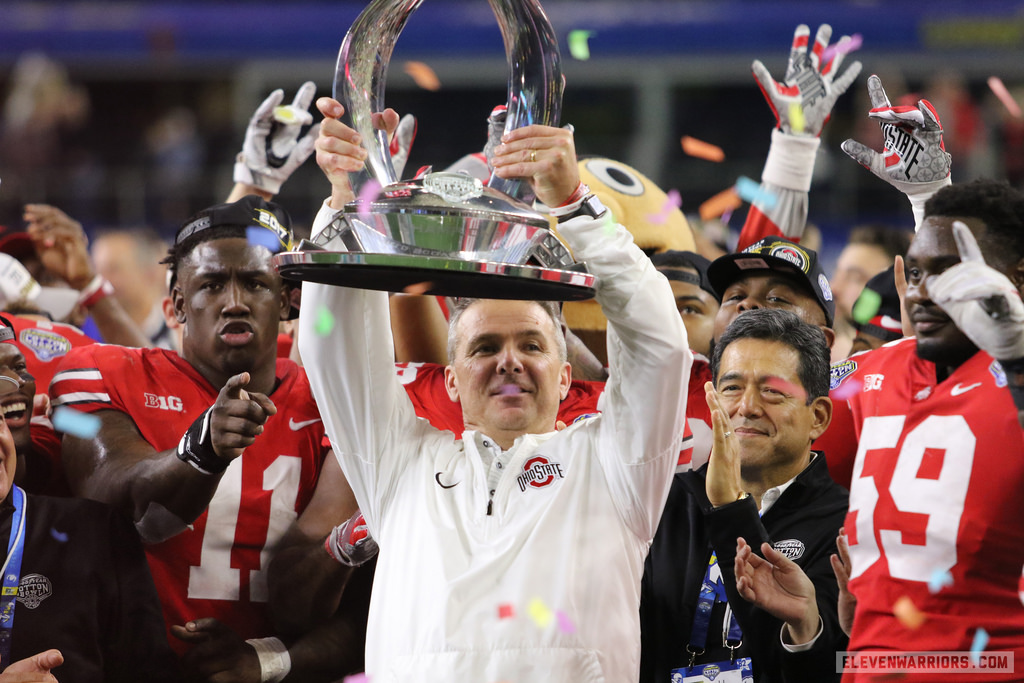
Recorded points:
702,150
726,200
423,75
906,611
419,288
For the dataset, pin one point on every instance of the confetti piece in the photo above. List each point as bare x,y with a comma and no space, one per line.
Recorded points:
290,114
324,322
59,536
673,200
867,306
726,200
261,237
506,611
539,612
906,611
579,47
423,75
751,191
726,216
565,624
979,645
367,194
75,423
797,122
702,150
1000,91
419,288
939,580
847,389
843,47
356,678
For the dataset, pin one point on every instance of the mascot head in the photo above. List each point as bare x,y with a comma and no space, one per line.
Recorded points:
644,209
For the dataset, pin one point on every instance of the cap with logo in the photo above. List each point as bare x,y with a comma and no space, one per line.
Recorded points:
778,254
877,309
265,223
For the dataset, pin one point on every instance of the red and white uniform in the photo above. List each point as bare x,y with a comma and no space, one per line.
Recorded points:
217,567
44,344
424,383
936,488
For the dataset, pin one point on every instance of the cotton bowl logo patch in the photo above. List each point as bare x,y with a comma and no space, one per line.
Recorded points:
33,589
791,548
45,345
538,472
826,291
841,371
998,373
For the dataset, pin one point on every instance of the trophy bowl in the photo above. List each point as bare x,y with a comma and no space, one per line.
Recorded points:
444,233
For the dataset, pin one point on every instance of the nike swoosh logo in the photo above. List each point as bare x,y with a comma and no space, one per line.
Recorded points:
437,478
957,390
296,426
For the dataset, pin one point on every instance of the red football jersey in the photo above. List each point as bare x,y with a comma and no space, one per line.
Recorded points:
217,567
44,344
936,488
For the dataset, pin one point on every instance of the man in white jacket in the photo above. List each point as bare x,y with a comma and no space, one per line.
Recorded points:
516,552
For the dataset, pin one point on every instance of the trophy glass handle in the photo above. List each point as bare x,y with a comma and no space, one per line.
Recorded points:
535,73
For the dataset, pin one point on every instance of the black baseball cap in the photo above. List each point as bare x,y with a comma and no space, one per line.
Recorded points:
670,262
265,223
877,310
780,254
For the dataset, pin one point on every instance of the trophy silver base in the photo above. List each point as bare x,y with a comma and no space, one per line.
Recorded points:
439,276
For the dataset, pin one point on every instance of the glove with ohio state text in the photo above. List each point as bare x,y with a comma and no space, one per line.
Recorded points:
982,302
915,160
273,148
350,543
803,102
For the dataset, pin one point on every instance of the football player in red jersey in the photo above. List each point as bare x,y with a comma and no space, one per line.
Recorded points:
213,453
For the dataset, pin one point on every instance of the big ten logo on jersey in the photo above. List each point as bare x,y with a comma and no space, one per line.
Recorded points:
873,382
164,402
407,372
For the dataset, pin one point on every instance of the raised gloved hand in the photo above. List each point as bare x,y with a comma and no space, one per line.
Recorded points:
982,302
915,160
803,102
351,543
273,149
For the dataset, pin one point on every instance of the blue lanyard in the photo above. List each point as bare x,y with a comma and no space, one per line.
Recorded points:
12,574
711,591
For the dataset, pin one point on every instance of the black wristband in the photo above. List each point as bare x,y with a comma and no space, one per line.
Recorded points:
196,447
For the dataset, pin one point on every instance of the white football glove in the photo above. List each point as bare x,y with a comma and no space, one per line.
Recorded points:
915,160
350,543
273,149
810,86
982,302
401,143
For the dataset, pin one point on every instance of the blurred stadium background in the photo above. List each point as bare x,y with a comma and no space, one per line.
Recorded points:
130,113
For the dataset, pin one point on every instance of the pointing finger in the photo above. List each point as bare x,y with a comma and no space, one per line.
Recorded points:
966,243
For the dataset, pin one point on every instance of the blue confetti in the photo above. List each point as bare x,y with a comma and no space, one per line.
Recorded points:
751,192
261,237
60,536
979,645
939,579
75,423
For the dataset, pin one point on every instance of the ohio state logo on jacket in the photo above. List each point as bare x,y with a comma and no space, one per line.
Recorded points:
538,472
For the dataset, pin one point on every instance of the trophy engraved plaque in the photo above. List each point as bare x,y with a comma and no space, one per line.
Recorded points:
442,233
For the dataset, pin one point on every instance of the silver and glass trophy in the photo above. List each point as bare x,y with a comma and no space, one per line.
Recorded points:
447,234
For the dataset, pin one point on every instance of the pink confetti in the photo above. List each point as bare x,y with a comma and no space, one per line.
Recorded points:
1000,91
356,678
843,47
506,611
847,389
367,194
565,624
725,217
673,200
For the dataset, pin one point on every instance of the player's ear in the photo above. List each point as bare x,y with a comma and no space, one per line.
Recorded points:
178,304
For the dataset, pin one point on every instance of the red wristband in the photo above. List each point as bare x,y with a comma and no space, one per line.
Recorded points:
579,193
99,288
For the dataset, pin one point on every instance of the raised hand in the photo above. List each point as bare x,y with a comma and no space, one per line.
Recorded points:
914,153
982,301
60,243
237,417
273,149
723,484
841,568
545,156
803,102
777,585
351,543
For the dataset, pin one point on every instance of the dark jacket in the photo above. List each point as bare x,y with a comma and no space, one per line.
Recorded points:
86,590
803,522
